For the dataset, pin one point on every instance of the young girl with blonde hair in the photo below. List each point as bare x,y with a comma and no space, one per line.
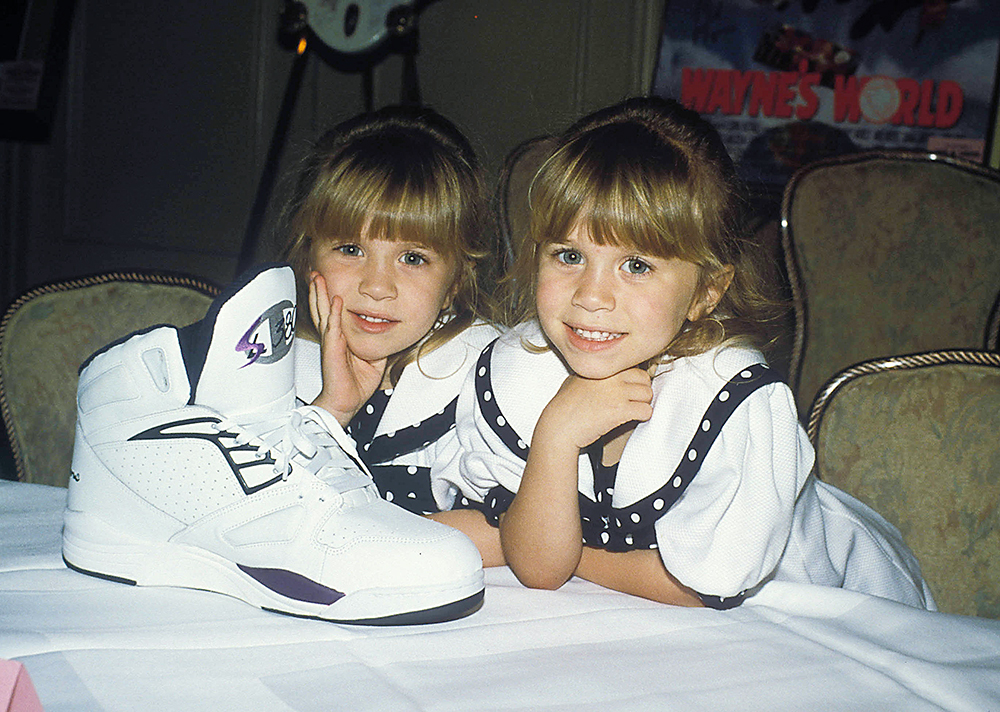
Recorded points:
629,430
387,244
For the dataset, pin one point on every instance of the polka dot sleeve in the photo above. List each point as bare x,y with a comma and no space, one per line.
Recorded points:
728,532
490,453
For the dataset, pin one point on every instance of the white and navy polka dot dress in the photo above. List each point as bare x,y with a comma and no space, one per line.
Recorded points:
718,480
408,485
402,432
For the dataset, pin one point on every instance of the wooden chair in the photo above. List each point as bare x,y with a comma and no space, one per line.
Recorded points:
889,253
917,438
49,331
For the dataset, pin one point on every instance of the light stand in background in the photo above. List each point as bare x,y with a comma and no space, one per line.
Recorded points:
356,35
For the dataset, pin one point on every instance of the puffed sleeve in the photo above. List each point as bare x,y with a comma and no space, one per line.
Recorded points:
728,530
447,473
497,409
443,461
481,460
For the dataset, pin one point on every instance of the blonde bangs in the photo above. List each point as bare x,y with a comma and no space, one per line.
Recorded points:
623,199
424,207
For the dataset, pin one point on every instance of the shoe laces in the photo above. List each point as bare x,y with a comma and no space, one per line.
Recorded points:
297,437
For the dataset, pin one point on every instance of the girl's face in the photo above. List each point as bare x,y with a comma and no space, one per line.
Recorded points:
393,292
607,309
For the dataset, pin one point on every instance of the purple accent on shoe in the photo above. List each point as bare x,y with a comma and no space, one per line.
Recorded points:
292,585
253,349
279,326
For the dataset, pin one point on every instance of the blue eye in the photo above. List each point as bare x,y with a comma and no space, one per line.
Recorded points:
634,265
569,257
348,250
413,259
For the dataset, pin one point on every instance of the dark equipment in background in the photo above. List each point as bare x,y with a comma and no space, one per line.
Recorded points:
351,36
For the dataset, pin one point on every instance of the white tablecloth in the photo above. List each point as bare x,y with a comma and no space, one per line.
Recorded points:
89,644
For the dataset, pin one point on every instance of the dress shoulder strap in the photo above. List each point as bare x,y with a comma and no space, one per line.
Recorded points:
628,522
489,408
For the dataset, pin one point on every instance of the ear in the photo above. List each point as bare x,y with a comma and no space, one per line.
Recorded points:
712,293
456,284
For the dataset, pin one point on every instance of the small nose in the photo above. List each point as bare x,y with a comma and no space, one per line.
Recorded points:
376,281
593,292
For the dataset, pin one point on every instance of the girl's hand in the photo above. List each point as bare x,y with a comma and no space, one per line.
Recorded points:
540,534
584,410
348,381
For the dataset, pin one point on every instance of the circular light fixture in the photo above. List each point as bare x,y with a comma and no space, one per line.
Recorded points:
355,27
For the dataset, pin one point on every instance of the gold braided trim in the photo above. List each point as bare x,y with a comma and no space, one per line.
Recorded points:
799,297
134,277
893,363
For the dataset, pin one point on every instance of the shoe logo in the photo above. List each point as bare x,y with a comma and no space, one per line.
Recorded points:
270,337
253,473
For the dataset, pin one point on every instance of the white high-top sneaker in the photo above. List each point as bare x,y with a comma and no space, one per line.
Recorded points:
192,468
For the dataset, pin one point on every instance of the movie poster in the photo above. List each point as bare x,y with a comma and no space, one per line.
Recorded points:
787,82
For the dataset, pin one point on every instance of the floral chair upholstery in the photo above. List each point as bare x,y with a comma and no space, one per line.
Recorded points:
889,253
49,331
917,438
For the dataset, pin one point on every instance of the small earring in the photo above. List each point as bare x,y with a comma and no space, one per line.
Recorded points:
443,317
718,324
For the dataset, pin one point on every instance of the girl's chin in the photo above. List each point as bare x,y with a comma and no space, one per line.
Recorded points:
592,371
373,352
594,368
368,354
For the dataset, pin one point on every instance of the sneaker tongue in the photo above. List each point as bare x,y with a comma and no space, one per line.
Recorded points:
246,339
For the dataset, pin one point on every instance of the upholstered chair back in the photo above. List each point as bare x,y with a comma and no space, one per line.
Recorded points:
512,195
889,253
917,438
48,332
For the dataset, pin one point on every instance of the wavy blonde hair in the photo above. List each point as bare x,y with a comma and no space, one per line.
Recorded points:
655,177
403,174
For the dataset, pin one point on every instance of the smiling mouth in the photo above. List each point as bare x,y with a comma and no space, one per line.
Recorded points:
372,324
597,336
374,319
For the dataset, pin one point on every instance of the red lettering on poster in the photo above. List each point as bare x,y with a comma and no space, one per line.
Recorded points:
721,97
762,94
695,86
924,115
786,82
846,93
876,99
950,99
909,90
811,105
741,83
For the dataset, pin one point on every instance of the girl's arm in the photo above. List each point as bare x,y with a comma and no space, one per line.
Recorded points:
540,533
348,381
639,573
473,524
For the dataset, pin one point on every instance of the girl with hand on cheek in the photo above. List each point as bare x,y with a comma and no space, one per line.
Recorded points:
629,430
387,245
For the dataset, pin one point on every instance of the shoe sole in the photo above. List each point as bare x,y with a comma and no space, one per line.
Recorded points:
92,547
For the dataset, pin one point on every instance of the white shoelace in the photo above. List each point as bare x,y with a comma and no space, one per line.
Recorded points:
299,437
